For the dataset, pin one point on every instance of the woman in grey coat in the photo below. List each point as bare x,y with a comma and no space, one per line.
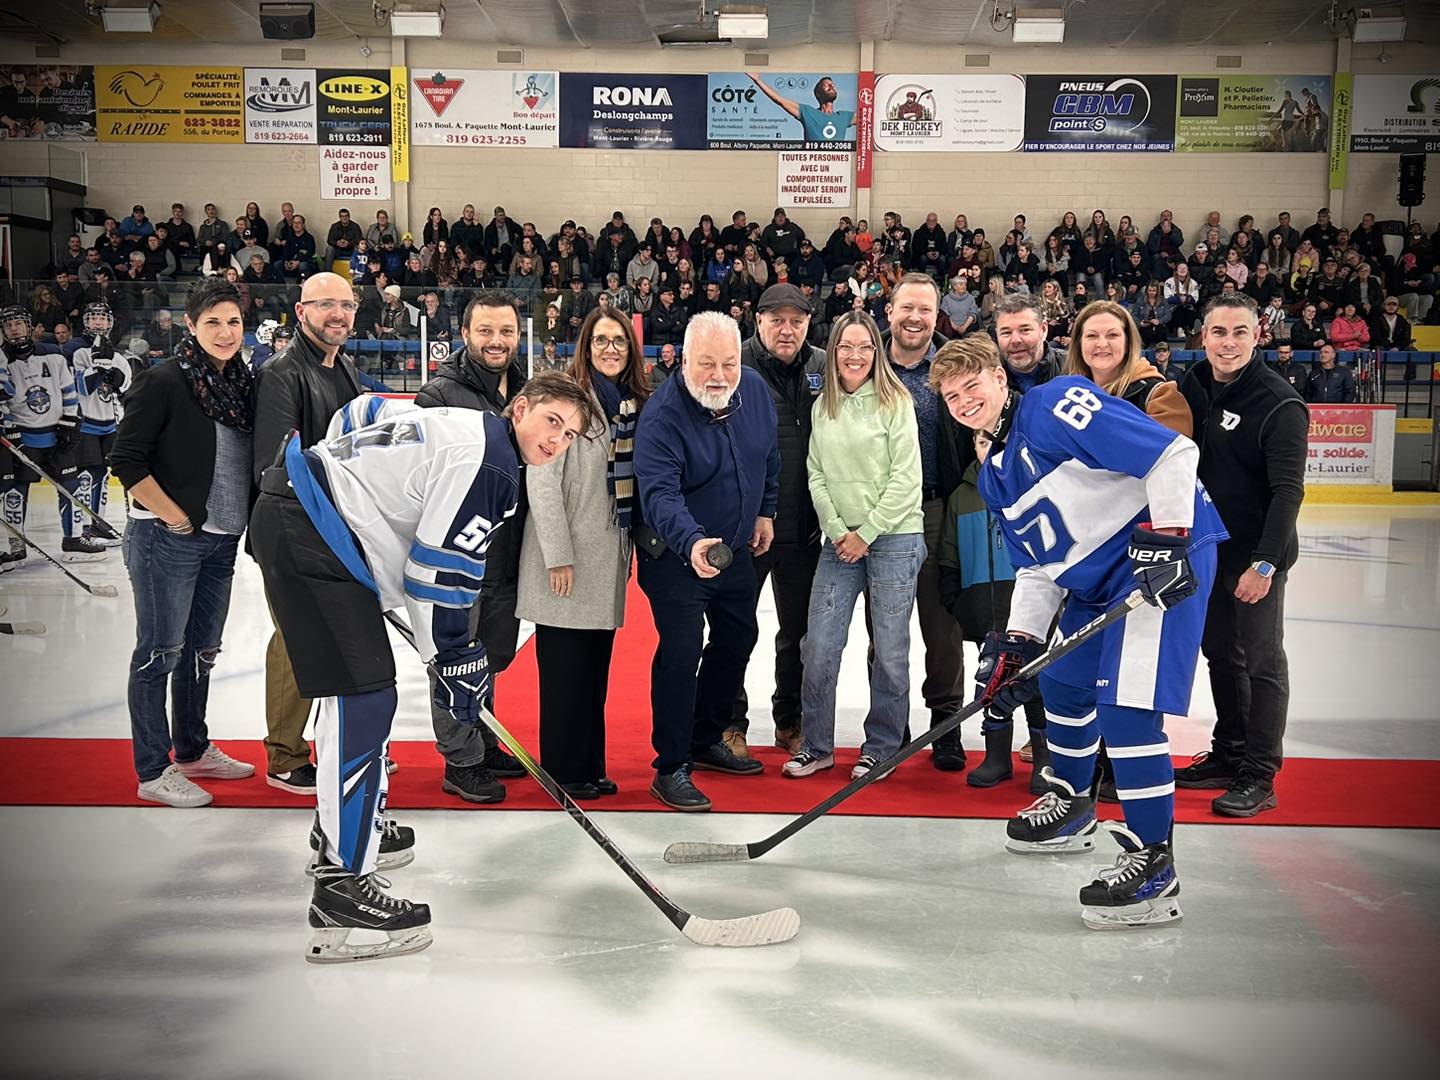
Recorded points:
575,557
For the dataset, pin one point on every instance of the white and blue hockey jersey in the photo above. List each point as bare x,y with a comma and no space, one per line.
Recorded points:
422,491
1078,471
98,385
36,391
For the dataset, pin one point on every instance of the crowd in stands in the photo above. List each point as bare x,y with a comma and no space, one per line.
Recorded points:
1317,285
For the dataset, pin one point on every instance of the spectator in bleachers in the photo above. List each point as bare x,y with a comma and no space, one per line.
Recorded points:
527,248
1277,255
135,228
1055,311
106,289
1161,362
612,256
394,322
297,249
551,327
1308,332
1234,269
1415,277
235,238
958,305
1100,229
115,253
250,248
140,282
1364,291
436,228
1306,255
283,227
211,231
704,239
160,260
1274,326
1067,232
571,264
437,316
842,254
524,285
343,238
1133,278
1165,239
1322,234
379,229
1151,314
392,259
667,364
45,309
642,267
1289,238
415,276
1330,383
181,233
929,252
1348,330
69,294
666,321
162,336
501,239
657,236
86,271
1055,259
1262,286
616,294
1295,374
675,237
643,298
1182,292
741,286
575,305
1302,289
1388,328
479,274
468,234
809,266
1369,241
257,224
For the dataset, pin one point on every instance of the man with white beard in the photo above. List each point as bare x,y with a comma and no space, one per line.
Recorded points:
707,467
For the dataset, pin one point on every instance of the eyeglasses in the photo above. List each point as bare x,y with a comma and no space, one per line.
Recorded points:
327,306
600,344
863,351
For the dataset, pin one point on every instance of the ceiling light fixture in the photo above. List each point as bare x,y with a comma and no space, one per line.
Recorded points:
417,20
1038,26
131,18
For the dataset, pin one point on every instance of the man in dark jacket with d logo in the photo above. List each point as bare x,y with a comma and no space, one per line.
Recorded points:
792,369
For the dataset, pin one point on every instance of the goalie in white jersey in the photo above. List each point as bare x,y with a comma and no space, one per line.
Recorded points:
1095,500
395,514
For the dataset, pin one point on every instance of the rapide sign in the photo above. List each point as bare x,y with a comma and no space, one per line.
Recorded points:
1351,444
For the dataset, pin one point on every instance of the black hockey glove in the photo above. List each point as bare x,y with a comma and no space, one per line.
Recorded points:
102,349
113,377
1001,656
462,682
65,432
1162,566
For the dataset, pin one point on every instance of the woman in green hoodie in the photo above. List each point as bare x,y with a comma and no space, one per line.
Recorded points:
864,467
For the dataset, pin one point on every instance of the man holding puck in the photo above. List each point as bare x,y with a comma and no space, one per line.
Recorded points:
707,466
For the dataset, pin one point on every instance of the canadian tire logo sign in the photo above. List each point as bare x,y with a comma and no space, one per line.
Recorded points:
438,91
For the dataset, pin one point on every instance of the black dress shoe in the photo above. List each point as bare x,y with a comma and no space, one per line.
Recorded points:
582,791
676,790
606,786
720,758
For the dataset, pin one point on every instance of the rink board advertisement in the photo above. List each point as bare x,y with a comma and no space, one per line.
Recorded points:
352,107
146,103
355,172
486,108
632,112
47,101
1129,113
781,110
810,178
280,106
949,112
1396,114
1253,114
1351,444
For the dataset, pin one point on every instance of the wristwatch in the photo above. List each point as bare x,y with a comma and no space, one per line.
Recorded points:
1263,568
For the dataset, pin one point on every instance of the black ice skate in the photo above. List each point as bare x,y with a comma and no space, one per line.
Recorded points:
1060,822
81,549
343,903
1140,890
397,846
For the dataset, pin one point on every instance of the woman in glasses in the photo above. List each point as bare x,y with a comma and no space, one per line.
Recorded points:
864,466
575,555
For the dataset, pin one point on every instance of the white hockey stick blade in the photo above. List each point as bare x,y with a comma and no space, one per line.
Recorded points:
699,851
35,629
103,590
767,928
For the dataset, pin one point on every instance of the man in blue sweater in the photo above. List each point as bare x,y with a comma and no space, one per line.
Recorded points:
707,466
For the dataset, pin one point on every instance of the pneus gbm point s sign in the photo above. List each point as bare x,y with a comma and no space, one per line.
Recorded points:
1100,112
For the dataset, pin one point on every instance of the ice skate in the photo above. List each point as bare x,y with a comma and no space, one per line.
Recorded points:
343,903
1060,822
397,846
91,536
78,549
12,558
1140,890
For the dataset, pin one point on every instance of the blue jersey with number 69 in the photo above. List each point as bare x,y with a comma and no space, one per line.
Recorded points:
1070,484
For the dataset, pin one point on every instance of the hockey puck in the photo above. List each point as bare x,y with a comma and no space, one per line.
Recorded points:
719,556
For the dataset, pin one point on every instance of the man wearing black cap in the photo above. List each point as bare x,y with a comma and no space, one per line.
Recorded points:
577,303
792,370
135,228
808,265
665,325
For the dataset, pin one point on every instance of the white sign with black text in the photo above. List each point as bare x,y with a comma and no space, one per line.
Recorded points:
814,178
355,172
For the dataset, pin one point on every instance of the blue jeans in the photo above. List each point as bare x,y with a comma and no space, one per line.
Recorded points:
888,572
182,595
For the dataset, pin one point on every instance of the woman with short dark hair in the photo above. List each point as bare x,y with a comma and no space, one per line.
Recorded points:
183,451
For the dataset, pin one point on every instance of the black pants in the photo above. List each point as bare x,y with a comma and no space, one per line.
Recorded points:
574,678
791,569
693,682
492,623
1249,674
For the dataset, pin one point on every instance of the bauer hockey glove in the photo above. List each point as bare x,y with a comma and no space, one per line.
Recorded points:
1001,656
1161,566
65,431
462,682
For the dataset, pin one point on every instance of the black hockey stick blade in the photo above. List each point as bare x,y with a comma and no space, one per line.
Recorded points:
766,928
93,590
33,629
694,851
103,527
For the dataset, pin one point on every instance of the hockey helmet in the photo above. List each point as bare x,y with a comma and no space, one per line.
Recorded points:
266,331
97,318
17,328
282,336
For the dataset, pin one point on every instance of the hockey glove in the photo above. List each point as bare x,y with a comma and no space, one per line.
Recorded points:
102,349
1001,656
65,432
462,682
111,376
1161,566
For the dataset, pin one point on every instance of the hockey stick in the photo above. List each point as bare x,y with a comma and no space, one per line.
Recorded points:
93,590
106,530
36,629
691,851
766,928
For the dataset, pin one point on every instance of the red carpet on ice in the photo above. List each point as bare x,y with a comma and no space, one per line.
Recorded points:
1313,791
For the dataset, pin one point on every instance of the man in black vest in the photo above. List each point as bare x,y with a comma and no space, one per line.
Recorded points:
1252,429
792,369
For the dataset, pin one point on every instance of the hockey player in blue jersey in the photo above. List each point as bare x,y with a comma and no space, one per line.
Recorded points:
396,514
101,374
1094,500
40,413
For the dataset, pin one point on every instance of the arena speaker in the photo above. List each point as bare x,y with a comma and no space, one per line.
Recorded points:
1412,180
287,22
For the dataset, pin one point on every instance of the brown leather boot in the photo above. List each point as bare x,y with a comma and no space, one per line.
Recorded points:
789,740
734,738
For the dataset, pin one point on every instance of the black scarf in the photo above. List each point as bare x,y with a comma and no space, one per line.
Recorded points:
224,396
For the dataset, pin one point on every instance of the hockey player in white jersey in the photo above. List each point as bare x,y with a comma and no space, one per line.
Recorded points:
101,374
1095,500
40,413
396,514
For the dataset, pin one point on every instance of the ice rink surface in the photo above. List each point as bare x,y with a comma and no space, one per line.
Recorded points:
160,943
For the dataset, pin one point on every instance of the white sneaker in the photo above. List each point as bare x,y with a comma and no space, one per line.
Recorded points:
864,765
805,764
216,764
173,789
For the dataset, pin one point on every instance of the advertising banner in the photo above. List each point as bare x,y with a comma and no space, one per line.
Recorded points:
47,101
815,178
355,172
1396,114
865,130
143,103
280,105
632,112
399,124
1253,113
781,111
352,107
486,108
1100,112
949,112
1351,444
1340,129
